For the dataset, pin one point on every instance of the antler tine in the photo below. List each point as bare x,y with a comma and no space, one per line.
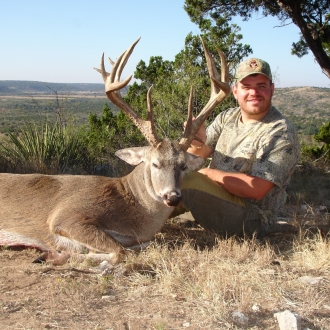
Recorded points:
150,110
113,85
224,66
123,60
220,89
187,131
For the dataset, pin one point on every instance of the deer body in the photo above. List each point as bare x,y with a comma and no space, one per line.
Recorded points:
100,214
106,215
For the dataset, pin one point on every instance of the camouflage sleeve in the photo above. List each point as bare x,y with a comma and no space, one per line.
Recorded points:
276,159
213,131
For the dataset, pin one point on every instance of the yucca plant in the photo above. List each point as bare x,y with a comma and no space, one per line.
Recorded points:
49,148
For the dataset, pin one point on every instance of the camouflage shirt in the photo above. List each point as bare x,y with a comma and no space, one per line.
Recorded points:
268,149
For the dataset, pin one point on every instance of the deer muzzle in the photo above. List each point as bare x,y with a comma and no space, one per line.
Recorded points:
172,199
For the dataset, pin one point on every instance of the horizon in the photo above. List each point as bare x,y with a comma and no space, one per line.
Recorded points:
102,84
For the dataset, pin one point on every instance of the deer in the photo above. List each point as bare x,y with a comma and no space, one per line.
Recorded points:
101,217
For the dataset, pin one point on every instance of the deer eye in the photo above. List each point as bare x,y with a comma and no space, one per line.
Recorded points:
155,165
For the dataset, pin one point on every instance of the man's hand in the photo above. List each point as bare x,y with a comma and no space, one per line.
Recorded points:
200,135
198,146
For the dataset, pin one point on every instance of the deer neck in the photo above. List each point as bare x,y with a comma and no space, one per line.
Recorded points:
140,186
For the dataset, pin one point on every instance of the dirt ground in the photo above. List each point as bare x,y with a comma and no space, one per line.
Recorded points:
37,296
34,296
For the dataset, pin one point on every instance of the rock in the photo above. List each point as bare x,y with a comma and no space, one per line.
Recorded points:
304,208
288,321
104,268
310,280
321,209
104,264
108,297
256,308
240,318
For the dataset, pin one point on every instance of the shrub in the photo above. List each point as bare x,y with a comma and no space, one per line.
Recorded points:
49,149
323,151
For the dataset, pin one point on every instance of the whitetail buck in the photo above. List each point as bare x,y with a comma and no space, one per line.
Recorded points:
101,215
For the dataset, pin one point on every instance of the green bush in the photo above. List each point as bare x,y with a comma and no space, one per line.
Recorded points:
317,152
106,135
49,149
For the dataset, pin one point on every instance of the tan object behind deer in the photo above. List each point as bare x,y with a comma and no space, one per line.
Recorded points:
101,215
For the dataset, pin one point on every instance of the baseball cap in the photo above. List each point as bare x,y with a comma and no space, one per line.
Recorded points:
253,66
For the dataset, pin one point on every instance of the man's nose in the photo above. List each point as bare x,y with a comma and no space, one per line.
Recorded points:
253,91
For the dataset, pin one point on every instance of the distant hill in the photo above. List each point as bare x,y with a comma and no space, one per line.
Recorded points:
307,107
303,101
20,87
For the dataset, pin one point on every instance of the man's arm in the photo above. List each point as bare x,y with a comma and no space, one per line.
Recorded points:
240,184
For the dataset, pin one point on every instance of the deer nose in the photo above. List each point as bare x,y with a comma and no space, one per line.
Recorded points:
172,199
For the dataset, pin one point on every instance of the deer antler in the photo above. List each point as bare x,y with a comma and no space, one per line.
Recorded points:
220,89
112,89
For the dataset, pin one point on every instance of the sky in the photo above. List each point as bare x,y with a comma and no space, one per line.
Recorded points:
61,41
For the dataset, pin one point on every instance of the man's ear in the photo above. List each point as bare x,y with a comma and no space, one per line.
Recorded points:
234,90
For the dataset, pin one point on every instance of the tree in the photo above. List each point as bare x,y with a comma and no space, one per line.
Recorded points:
171,80
106,135
311,17
112,132
322,136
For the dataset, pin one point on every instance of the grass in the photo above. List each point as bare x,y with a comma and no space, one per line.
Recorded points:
205,283
179,283
49,149
187,278
232,276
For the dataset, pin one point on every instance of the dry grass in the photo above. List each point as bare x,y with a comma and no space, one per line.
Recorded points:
234,276
188,278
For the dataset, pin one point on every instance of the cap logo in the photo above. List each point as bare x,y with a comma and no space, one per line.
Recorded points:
253,64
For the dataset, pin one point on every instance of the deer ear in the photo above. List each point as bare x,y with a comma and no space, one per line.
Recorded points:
194,162
133,156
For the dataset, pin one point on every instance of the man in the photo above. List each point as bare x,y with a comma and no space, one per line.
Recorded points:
254,152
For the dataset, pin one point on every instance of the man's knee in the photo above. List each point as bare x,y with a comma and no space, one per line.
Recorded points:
203,184
214,208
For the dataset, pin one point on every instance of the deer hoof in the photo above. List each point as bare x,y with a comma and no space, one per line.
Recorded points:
54,258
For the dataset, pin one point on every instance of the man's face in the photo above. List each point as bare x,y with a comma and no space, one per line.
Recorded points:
254,94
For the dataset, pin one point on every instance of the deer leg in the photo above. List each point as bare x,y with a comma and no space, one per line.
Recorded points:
53,257
79,235
138,247
57,258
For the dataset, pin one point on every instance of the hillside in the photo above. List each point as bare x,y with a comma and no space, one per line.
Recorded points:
20,87
303,101
307,107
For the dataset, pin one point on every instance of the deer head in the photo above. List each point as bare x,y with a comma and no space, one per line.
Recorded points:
165,160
